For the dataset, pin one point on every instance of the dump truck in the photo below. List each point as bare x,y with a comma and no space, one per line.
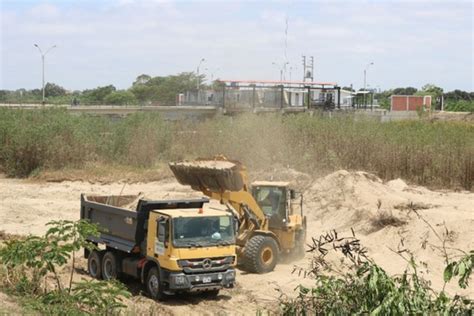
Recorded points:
269,214
171,246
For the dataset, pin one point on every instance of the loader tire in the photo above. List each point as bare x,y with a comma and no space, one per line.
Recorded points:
260,254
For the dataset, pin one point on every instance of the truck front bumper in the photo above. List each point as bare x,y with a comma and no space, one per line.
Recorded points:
178,281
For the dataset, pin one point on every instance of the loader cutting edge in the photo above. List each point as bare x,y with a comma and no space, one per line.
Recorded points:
212,175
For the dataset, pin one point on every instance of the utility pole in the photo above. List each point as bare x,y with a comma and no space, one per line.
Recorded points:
304,68
308,68
42,62
365,83
198,78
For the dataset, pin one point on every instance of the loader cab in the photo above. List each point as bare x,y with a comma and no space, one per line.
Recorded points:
273,198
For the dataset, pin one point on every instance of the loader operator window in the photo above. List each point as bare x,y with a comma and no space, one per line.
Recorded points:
272,202
203,231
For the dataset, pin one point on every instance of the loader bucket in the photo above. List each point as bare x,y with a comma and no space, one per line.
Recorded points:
213,175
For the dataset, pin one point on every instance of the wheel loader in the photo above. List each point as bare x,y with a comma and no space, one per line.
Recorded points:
269,214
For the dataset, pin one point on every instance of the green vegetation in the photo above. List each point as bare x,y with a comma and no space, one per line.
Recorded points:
31,268
144,91
457,100
427,153
365,288
52,139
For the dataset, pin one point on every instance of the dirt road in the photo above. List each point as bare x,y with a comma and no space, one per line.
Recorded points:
342,200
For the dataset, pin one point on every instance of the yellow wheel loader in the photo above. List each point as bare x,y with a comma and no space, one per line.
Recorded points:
269,214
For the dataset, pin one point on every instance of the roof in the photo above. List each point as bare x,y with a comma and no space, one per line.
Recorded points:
271,183
308,83
207,210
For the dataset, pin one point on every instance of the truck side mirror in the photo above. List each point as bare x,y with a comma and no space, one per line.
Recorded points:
163,230
292,194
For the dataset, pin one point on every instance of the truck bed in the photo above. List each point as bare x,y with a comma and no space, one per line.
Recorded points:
123,218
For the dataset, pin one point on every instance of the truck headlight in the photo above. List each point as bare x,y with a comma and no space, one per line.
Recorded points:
179,279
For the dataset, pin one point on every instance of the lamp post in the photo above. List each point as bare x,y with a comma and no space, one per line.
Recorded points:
42,61
365,82
283,67
198,78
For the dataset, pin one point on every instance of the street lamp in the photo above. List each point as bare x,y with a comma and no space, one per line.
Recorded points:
42,61
281,69
198,78
365,81
213,72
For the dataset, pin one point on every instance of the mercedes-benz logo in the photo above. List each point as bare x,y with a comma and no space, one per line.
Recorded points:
206,263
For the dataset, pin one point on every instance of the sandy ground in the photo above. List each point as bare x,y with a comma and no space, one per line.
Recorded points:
341,201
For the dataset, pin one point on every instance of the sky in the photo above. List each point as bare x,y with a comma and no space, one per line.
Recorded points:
411,43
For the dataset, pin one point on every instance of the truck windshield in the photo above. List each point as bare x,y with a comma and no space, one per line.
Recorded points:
203,231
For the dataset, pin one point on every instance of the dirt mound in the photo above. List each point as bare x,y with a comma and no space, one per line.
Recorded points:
341,200
388,216
299,180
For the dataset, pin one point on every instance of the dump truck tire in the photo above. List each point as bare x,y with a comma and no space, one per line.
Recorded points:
110,264
94,264
153,284
260,254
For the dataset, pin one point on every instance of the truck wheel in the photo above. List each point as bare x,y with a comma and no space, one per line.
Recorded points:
153,284
109,266
260,254
94,264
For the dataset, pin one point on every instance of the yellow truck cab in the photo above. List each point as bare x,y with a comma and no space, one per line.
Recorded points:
171,246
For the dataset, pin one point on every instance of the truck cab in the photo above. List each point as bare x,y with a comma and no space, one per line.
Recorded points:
194,248
172,246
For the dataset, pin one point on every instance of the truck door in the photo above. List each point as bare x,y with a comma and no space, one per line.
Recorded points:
162,240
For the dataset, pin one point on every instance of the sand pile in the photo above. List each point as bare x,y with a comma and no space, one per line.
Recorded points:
340,200
298,180
344,200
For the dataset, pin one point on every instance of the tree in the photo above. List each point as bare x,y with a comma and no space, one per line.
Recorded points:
98,94
163,89
431,89
53,90
458,95
121,97
142,79
405,91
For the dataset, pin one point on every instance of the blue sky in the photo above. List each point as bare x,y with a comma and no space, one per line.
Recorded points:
112,42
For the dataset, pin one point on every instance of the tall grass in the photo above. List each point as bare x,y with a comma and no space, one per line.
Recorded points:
53,139
437,154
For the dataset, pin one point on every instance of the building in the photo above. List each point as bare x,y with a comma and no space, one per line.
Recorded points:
271,94
410,102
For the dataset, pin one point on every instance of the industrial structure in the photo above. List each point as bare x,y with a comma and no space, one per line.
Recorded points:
247,94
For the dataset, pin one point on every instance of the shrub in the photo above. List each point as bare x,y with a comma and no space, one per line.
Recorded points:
46,138
141,139
426,153
27,262
365,288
